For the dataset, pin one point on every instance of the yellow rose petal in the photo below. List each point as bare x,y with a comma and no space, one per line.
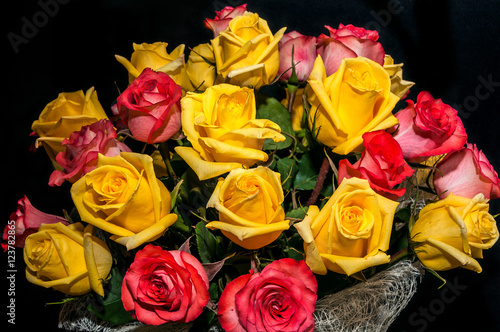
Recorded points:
204,169
93,275
149,234
313,257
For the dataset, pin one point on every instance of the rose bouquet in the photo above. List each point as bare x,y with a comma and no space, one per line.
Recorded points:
239,184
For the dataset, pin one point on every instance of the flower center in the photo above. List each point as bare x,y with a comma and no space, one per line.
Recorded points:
362,81
249,185
352,219
40,250
112,186
355,222
245,26
230,110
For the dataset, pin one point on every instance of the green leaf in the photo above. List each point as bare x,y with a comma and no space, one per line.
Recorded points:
179,223
403,214
208,246
287,168
306,176
213,290
277,113
110,308
298,213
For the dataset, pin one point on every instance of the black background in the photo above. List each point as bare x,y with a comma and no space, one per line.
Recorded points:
447,47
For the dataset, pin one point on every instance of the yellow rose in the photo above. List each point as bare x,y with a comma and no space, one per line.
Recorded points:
64,115
220,123
351,232
453,232
67,258
354,100
246,53
122,196
249,204
200,67
399,86
156,57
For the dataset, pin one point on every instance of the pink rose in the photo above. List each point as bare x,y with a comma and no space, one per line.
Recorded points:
304,54
280,298
163,286
466,173
150,107
26,221
429,128
381,163
348,41
222,18
82,149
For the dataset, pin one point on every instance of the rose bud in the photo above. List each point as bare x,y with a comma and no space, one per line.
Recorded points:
222,18
466,172
26,220
304,54
150,107
82,149
349,41
428,128
381,163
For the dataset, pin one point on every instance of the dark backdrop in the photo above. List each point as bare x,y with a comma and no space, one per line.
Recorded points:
449,48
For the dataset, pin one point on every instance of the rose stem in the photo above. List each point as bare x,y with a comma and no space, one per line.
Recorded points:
254,261
165,154
400,254
323,171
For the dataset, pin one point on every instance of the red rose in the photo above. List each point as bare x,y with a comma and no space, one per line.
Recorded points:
280,298
348,41
304,54
466,173
381,163
82,149
429,128
163,286
222,18
150,107
26,221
